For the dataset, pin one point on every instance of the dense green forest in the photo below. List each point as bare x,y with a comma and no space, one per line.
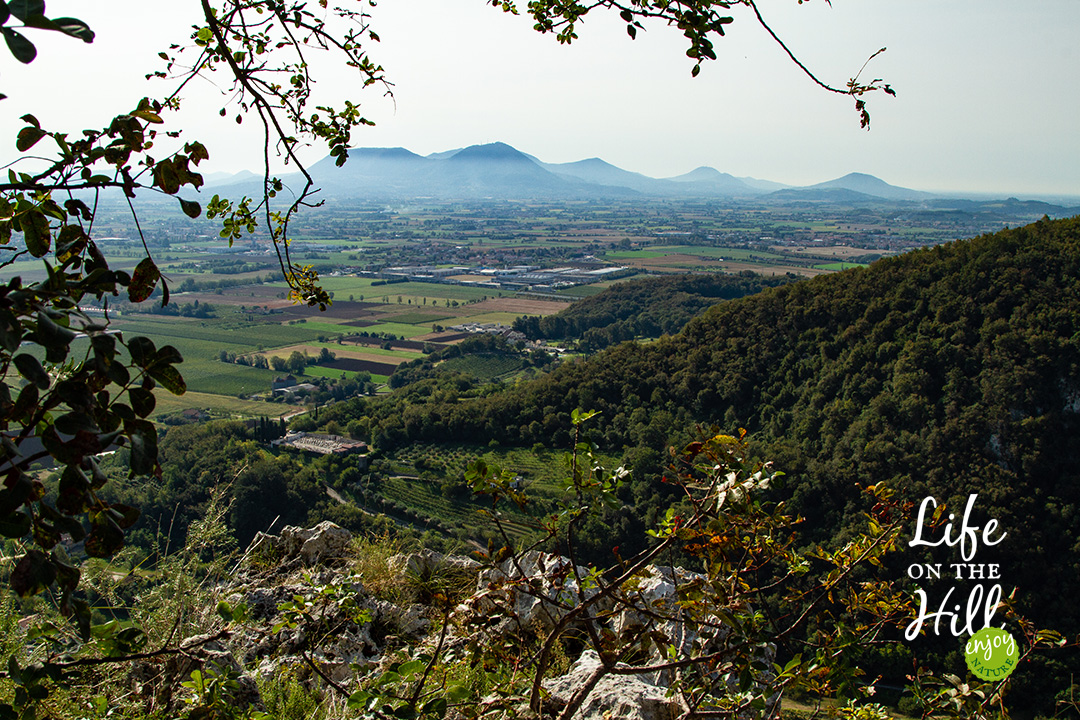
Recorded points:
642,307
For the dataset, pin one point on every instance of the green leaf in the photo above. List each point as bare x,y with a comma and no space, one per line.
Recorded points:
73,422
142,401
70,242
40,22
25,403
105,536
75,28
169,377
168,355
53,337
124,515
142,350
167,177
10,331
191,208
72,495
33,574
435,707
22,49
80,609
143,280
15,525
28,137
143,437
26,9
35,227
29,367
358,700
128,641
413,667
148,116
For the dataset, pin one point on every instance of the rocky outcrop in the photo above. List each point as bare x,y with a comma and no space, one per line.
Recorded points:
304,609
602,696
428,563
535,589
310,546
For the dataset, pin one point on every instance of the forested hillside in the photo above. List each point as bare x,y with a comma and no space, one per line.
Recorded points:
642,307
946,371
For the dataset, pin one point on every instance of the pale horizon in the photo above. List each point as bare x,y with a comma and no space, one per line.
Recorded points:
986,100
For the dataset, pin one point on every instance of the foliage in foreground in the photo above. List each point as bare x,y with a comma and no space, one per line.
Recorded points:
752,614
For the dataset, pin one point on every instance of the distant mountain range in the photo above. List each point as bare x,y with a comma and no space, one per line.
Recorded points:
500,172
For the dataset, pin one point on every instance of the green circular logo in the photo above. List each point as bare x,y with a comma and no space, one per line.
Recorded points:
991,654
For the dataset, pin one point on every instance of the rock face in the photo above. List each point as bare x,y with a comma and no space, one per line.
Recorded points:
306,612
321,543
627,697
535,589
428,563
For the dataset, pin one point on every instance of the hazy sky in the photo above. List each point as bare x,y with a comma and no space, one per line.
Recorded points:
988,91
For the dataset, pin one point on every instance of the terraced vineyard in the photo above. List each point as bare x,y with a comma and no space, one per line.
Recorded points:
427,483
423,498
485,367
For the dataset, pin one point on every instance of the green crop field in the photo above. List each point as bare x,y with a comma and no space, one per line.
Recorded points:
506,318
339,285
581,291
635,254
406,331
370,350
319,371
435,290
327,327
710,251
218,406
434,466
839,266
416,318
213,376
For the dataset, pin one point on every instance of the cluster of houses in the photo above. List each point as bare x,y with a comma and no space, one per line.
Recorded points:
511,335
289,387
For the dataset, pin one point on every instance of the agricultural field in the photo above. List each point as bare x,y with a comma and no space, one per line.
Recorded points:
682,261
254,320
426,483
838,266
217,406
485,368
837,252
231,300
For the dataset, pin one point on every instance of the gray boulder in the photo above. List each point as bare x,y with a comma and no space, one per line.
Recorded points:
627,697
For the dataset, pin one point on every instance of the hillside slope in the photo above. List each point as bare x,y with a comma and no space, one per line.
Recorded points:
642,307
946,371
